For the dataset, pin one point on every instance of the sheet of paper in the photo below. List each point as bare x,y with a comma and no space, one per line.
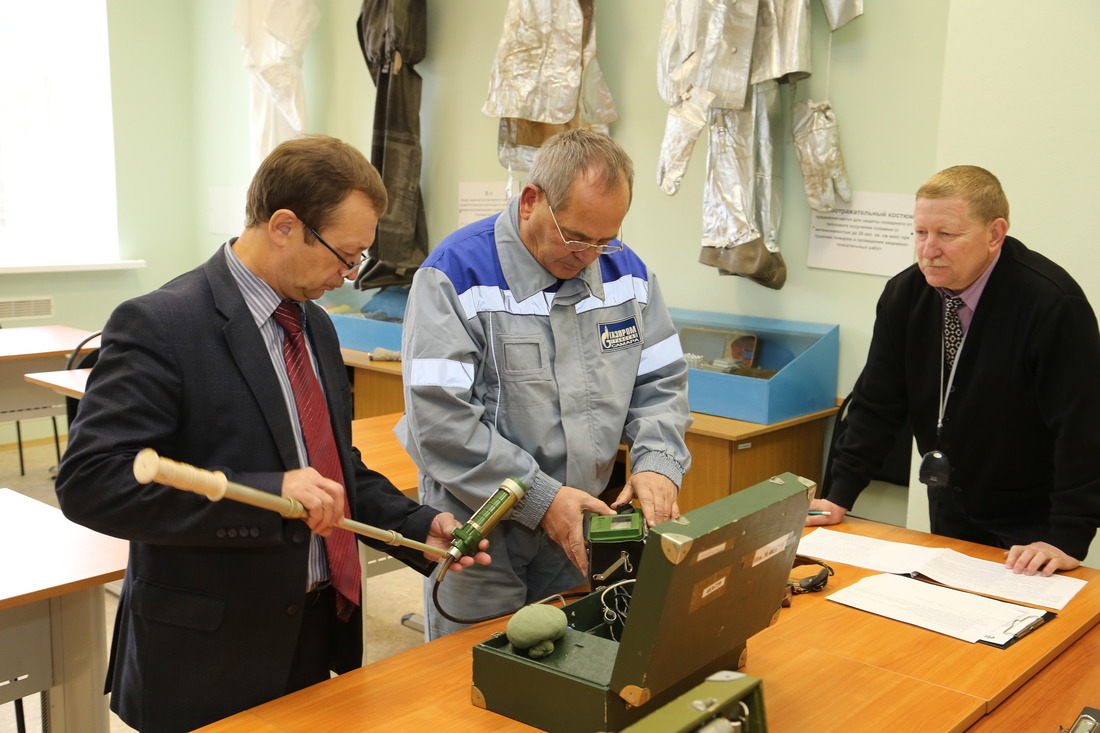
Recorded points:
942,565
994,579
944,610
864,552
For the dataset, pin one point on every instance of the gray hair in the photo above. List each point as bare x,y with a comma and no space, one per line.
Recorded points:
570,154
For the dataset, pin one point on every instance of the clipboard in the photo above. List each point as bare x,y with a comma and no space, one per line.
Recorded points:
1027,625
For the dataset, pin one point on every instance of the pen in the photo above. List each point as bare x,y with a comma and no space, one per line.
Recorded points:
818,514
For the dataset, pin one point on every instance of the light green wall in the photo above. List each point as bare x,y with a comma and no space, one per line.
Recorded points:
917,86
181,106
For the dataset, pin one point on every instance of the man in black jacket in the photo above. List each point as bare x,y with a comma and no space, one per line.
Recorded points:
1004,402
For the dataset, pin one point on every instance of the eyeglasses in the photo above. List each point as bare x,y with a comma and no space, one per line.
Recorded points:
349,267
575,245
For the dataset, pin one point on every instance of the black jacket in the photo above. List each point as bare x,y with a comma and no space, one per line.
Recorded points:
1022,425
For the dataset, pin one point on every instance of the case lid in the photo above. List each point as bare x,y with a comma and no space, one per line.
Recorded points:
707,582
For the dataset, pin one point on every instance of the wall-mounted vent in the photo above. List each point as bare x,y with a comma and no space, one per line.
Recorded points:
19,308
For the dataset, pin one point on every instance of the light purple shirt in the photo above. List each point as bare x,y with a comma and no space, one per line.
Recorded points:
970,295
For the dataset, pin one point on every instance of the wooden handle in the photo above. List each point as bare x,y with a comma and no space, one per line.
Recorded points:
149,467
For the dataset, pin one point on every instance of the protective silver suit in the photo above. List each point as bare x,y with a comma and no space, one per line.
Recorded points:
718,65
545,77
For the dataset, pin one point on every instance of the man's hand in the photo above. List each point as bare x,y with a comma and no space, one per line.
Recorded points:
1038,557
655,492
563,522
836,513
323,498
439,535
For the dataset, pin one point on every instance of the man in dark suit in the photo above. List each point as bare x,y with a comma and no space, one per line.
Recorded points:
990,352
226,606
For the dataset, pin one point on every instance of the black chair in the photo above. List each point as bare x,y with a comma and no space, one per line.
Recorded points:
78,360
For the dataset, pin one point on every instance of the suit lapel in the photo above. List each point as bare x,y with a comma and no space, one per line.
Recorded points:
248,350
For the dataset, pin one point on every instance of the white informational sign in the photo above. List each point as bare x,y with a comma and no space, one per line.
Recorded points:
872,234
477,200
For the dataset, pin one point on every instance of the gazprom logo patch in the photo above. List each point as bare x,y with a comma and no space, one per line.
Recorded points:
620,335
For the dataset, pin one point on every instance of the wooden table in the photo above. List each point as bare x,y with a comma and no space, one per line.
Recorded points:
825,666
382,452
726,455
52,626
67,382
33,349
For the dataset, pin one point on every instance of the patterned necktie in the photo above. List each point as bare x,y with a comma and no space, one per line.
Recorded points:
343,556
952,330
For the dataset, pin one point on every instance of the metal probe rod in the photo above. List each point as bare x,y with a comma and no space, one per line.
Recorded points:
149,467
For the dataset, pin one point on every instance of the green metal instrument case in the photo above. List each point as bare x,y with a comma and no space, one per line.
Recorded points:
707,582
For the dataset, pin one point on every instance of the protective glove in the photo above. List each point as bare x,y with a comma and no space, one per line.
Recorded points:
685,121
817,144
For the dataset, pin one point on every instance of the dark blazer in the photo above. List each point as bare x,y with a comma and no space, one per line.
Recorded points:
211,604
1022,423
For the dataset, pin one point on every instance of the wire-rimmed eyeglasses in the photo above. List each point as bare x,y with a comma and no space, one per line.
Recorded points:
575,245
349,267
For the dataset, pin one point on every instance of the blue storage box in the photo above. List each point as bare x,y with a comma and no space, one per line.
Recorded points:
366,334
804,356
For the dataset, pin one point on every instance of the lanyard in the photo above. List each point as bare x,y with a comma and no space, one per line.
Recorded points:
945,394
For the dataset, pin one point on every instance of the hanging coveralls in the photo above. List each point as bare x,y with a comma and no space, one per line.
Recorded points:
545,78
719,65
275,34
393,36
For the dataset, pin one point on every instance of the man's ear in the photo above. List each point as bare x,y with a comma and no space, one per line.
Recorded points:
998,230
281,225
528,197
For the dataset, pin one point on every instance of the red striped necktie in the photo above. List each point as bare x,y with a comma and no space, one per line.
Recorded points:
343,556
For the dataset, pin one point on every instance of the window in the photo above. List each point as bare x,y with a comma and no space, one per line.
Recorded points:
57,160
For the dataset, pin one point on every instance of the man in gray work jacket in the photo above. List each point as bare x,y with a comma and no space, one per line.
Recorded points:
535,343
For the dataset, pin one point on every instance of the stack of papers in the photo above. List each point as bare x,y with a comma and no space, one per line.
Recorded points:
945,610
941,565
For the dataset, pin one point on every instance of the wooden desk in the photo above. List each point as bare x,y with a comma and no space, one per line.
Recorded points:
376,385
727,455
1055,696
825,666
52,627
979,670
67,382
382,452
34,349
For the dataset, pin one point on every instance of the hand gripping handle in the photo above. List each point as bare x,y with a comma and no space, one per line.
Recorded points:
149,467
